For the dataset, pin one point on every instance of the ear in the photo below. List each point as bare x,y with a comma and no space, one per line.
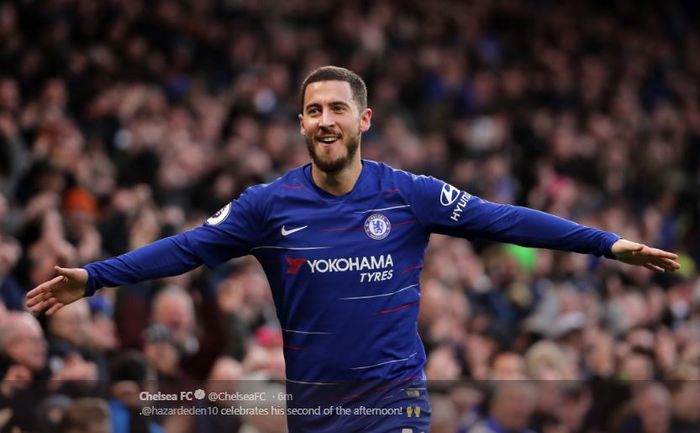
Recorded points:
365,120
302,130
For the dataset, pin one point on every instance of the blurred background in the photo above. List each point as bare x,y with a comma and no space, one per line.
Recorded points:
125,121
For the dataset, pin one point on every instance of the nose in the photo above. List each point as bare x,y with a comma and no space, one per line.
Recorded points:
327,118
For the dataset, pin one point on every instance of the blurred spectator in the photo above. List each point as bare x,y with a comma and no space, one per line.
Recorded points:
68,330
224,377
444,417
545,360
686,411
507,366
50,413
442,364
651,411
163,353
81,211
510,407
86,415
199,344
129,376
574,412
11,291
22,343
173,309
23,367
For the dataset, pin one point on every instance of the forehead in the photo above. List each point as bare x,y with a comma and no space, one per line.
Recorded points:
324,92
23,327
508,359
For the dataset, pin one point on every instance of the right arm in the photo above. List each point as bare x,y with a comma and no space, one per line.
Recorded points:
163,258
231,232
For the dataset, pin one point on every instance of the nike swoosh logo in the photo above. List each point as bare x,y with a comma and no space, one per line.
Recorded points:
286,232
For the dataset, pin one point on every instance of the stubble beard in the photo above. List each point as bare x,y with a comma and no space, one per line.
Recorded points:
333,166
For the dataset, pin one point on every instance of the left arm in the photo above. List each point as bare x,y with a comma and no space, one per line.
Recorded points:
527,227
444,209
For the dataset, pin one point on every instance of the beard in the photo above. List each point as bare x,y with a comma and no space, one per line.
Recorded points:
337,164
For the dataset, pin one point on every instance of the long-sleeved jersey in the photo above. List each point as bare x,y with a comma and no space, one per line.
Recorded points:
344,270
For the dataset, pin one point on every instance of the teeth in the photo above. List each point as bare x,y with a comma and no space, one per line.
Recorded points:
328,139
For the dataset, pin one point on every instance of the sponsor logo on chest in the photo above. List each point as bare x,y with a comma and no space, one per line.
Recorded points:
370,268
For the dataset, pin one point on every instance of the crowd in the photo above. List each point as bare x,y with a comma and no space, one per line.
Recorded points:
123,121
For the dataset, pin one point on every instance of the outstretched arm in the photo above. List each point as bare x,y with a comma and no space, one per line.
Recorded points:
229,233
533,228
166,257
444,209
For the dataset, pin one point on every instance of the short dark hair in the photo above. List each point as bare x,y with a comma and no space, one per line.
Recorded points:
336,73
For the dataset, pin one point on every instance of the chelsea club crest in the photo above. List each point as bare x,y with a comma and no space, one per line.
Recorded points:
377,226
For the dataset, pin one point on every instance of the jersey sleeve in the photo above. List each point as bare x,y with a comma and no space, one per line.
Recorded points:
444,209
230,232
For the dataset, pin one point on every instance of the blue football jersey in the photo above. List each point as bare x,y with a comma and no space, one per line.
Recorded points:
344,270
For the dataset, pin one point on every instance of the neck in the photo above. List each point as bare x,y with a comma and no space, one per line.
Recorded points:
340,182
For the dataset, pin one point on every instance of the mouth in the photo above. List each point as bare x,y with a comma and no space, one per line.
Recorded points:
328,139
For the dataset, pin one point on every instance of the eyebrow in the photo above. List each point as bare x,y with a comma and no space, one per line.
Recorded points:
332,104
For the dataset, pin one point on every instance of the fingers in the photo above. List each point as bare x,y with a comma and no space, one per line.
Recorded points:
55,307
653,267
40,303
659,259
669,264
661,265
36,302
665,260
41,297
660,253
48,303
34,295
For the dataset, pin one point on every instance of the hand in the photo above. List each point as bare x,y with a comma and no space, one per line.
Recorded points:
641,255
67,287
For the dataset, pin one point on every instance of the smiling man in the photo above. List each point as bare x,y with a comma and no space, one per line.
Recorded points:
341,241
334,115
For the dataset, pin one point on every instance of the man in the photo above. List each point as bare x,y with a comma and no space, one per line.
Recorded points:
651,410
22,366
22,342
510,407
342,241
